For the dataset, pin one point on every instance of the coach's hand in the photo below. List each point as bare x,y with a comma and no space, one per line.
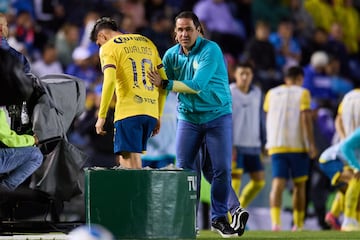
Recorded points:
99,126
154,77
357,174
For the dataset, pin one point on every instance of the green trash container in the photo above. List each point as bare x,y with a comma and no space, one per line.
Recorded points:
142,204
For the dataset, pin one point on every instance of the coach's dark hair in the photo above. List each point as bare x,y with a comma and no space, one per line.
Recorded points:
100,24
193,17
294,72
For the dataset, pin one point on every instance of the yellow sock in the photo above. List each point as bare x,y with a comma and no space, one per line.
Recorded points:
229,216
275,214
236,184
358,216
337,205
351,198
298,218
250,191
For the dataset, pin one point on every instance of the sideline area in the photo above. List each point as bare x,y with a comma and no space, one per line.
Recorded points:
49,236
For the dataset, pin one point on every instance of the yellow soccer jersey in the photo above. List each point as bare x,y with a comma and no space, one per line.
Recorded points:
349,110
283,106
125,61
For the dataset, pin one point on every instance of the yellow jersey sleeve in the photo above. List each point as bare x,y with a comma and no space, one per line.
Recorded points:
340,108
107,91
266,102
305,100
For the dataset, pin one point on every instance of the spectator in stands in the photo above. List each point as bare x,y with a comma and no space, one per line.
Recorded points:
66,40
261,53
133,10
4,34
24,30
82,68
322,13
88,24
228,32
15,111
270,11
49,14
317,82
303,23
126,24
242,11
155,6
48,63
288,51
159,31
318,42
348,16
336,47
340,85
4,6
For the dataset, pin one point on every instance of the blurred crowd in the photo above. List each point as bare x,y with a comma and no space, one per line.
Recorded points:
322,36
273,35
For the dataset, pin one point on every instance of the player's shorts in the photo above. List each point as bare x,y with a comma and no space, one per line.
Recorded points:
248,162
294,165
332,169
132,133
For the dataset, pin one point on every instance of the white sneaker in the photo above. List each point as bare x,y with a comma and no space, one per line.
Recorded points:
349,225
239,220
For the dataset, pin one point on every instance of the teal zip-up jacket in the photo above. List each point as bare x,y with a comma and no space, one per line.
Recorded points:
201,80
350,149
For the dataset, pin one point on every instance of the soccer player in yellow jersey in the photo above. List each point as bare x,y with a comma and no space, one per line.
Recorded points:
125,59
290,139
347,120
348,115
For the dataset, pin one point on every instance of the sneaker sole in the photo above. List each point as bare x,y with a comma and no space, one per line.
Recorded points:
225,235
243,216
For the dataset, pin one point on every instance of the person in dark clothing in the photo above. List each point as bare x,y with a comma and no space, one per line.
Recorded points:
261,53
4,34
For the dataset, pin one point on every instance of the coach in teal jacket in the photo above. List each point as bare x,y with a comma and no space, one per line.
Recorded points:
196,69
201,79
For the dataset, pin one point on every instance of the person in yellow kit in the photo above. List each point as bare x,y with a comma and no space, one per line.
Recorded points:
290,142
125,59
340,163
346,122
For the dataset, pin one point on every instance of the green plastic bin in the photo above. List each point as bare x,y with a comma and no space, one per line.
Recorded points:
142,204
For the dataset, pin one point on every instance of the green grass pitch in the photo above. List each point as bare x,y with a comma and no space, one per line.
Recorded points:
288,235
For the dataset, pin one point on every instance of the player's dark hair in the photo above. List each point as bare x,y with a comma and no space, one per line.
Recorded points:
100,24
294,72
193,17
245,64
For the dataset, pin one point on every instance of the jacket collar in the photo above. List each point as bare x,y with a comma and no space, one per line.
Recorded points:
194,48
4,43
